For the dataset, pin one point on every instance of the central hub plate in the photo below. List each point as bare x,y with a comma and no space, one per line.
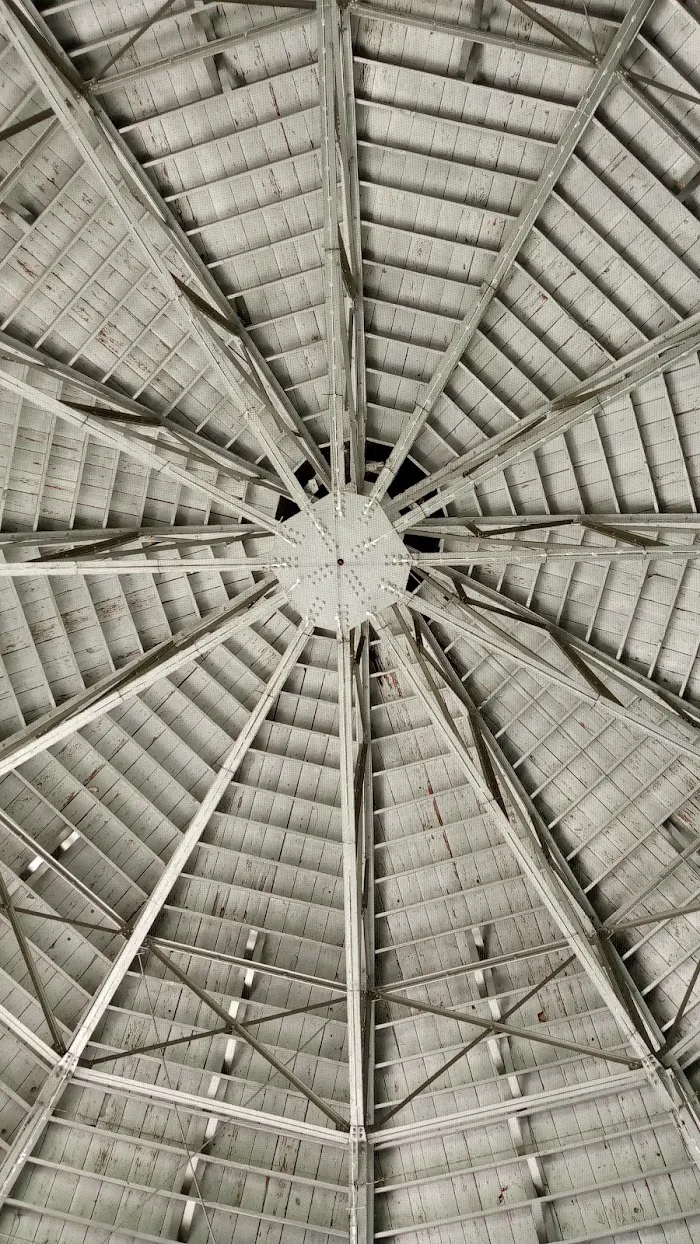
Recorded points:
336,572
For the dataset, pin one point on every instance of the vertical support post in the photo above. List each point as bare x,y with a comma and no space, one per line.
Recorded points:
328,47
353,226
25,951
355,953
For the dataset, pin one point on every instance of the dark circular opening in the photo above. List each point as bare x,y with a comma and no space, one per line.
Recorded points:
341,561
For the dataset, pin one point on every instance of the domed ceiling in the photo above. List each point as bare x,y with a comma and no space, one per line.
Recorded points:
349,680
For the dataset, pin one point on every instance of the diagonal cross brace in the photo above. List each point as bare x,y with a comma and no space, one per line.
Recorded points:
116,170
564,909
489,637
59,1077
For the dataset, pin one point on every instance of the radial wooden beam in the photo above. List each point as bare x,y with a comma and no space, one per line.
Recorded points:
151,562
490,638
536,864
126,439
137,675
494,552
33,1124
539,427
601,80
329,63
475,594
352,221
356,967
646,525
256,395
77,537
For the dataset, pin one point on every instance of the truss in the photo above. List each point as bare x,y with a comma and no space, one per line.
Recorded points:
380,894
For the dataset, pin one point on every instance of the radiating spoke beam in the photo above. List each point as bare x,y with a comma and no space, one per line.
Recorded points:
154,563
123,439
79,536
158,557
108,405
357,380
500,553
33,1124
355,949
490,638
514,237
551,419
329,69
255,394
135,677
657,695
544,879
646,525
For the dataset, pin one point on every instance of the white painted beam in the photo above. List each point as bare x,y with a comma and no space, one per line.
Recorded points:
659,696
514,237
329,63
257,397
123,440
226,1112
489,637
357,406
76,536
551,419
426,1130
227,43
140,417
51,1091
137,676
355,961
559,901
151,563
502,553
646,524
